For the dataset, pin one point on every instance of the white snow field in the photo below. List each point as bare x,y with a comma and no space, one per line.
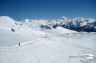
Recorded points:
58,45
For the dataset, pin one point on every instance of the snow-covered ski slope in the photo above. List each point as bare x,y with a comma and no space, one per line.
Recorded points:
37,45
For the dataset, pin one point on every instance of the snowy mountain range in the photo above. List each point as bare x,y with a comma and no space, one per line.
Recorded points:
79,24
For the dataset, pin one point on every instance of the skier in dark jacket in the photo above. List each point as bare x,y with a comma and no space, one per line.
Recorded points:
19,44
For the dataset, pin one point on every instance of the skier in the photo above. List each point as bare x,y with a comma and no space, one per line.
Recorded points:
19,44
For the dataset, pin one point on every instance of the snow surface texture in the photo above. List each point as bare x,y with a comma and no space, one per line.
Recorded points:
40,41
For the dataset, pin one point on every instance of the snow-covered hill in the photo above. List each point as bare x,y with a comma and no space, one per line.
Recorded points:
6,22
47,41
50,48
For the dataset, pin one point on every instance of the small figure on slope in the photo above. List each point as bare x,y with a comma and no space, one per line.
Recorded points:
19,44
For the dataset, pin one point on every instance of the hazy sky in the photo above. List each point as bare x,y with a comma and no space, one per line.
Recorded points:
21,9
